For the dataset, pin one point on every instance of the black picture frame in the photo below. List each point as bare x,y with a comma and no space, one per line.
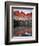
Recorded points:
7,5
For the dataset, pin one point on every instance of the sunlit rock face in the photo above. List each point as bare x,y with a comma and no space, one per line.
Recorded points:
22,16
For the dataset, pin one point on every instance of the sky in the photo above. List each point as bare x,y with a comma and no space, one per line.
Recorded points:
24,10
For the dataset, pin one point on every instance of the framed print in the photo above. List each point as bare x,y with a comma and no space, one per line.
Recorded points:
21,22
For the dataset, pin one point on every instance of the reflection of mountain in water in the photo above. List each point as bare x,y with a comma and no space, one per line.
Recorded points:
22,31
23,28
